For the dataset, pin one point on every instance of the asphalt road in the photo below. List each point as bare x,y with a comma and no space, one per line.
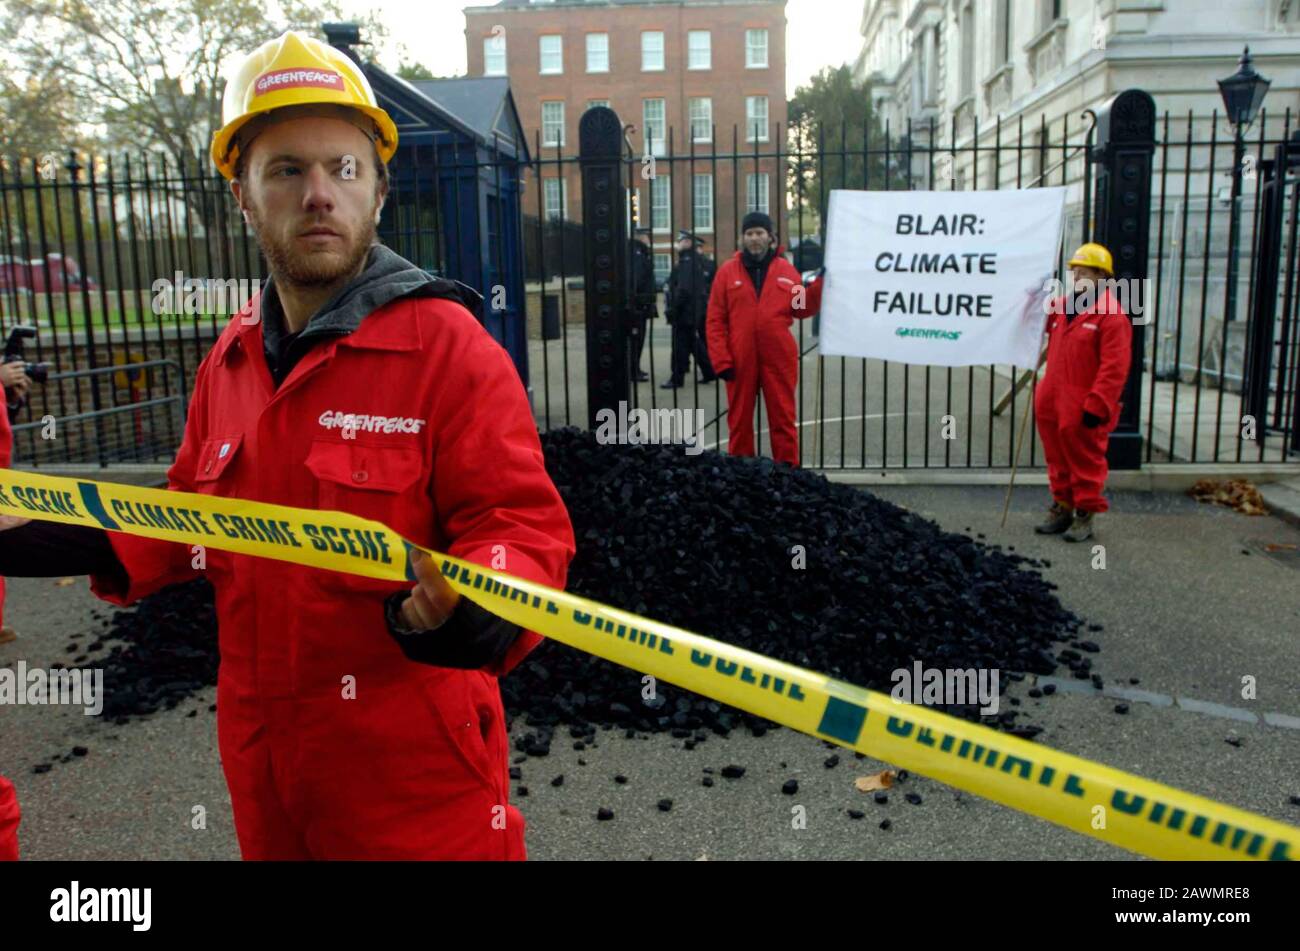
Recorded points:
1185,611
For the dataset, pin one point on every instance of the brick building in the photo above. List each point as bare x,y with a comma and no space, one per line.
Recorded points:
702,83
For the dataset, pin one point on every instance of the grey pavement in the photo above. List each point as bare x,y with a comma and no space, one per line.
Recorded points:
1192,600
1283,499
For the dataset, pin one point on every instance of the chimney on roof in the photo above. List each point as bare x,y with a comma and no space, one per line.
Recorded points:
343,36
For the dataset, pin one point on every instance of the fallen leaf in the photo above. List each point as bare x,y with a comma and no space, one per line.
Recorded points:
1279,546
881,780
64,582
1238,494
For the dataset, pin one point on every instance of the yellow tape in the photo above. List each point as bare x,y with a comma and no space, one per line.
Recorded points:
1144,816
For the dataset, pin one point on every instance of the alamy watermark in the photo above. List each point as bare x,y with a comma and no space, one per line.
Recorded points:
1132,294
63,687
131,906
200,295
947,686
655,426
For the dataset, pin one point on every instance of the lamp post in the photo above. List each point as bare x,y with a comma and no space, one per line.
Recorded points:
1243,94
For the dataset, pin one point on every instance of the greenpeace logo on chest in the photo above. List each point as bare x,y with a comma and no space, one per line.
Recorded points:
361,423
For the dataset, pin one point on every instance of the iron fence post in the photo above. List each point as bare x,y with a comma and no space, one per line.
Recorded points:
604,226
1126,137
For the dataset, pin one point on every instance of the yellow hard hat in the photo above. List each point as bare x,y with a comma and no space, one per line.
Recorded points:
1093,255
295,70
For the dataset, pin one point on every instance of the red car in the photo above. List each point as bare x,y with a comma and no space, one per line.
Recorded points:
64,273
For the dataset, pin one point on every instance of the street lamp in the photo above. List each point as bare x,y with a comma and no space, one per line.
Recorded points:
1243,93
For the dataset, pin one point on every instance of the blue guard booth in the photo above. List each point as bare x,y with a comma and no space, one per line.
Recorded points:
454,203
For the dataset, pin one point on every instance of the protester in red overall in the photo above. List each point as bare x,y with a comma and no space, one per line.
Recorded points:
756,296
9,817
13,376
1078,400
356,718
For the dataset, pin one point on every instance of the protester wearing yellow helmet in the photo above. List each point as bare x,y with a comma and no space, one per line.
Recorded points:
1092,257
1078,400
303,74
356,719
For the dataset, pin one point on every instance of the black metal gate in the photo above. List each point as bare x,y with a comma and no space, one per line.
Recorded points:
85,242
1273,340
850,413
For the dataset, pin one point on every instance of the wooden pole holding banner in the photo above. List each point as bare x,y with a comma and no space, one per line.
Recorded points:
1020,440
1042,355
1013,392
817,429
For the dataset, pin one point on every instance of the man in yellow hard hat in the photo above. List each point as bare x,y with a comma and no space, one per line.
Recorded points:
357,718
1078,400
320,90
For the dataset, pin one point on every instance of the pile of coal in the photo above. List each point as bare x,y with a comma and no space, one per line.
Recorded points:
777,560
164,649
780,561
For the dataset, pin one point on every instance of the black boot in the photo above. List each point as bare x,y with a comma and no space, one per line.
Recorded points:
673,384
1059,518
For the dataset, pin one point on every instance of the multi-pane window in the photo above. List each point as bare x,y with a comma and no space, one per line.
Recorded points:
652,50
597,52
655,125
1003,31
925,75
702,203
661,197
494,55
756,118
555,196
663,267
699,50
593,103
967,64
701,114
756,192
917,80
552,123
756,49
552,54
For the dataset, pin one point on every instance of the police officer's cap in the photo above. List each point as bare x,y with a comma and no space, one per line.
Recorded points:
685,235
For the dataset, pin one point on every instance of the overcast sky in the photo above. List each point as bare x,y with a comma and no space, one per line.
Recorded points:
432,32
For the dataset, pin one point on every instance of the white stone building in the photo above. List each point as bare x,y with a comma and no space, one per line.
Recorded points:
976,60
1024,72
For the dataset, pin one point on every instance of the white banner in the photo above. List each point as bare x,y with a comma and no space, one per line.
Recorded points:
940,278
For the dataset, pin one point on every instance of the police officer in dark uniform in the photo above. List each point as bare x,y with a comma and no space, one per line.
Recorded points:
641,302
686,302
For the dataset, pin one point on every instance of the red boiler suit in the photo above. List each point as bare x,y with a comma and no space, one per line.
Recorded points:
6,457
9,812
1087,365
9,816
751,334
415,766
